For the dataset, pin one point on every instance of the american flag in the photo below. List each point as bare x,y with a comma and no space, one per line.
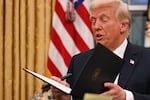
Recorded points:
71,34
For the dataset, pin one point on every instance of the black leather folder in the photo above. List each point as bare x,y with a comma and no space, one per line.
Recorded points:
103,66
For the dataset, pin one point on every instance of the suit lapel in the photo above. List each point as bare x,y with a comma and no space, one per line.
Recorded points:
131,57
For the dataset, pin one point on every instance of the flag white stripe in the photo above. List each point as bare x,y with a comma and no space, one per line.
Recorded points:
86,4
84,31
57,59
64,36
63,4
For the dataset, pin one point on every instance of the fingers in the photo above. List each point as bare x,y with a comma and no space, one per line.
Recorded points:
55,78
59,95
115,91
111,87
60,81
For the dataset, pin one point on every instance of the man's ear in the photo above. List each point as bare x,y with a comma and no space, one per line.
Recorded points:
124,26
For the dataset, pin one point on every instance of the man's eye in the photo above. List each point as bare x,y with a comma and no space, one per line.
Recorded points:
93,20
104,19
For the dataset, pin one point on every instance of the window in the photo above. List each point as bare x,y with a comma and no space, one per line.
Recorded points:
138,10
136,2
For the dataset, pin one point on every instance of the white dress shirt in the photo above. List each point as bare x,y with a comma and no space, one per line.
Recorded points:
120,52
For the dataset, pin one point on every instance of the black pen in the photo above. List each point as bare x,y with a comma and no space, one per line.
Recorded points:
62,78
66,76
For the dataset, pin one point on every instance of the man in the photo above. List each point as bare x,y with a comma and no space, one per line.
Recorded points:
110,21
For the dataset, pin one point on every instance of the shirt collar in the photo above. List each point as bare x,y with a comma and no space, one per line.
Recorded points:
121,49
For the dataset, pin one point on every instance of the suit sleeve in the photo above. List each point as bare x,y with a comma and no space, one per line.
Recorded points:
138,96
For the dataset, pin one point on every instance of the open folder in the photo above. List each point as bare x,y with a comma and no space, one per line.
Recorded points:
54,83
103,66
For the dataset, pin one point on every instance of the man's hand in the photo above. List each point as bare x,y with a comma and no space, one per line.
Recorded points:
57,93
115,91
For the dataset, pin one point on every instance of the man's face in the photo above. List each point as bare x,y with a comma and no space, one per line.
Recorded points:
106,27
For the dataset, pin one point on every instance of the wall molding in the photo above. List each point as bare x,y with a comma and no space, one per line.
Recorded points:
137,7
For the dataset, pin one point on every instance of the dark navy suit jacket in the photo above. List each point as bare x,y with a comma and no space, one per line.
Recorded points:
134,75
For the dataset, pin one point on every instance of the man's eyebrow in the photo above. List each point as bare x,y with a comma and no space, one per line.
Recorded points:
104,15
92,17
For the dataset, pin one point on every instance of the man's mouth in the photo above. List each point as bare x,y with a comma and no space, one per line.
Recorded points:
99,36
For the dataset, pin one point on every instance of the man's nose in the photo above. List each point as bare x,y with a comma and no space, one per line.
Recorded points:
98,25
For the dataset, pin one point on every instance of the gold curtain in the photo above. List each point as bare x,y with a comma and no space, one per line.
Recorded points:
24,42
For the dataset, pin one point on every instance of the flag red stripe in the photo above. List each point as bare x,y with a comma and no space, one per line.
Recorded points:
71,29
84,16
60,47
53,69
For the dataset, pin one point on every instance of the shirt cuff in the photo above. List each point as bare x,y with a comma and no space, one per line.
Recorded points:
129,95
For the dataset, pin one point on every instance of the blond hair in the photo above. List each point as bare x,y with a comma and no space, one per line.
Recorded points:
122,10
